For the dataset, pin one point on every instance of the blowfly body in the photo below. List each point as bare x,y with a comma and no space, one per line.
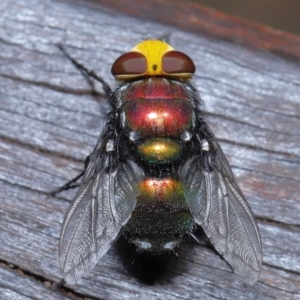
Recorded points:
158,123
156,172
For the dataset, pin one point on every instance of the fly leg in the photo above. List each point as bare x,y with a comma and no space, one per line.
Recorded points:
166,37
72,183
56,286
88,74
69,185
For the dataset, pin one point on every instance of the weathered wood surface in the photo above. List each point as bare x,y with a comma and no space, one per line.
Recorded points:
50,122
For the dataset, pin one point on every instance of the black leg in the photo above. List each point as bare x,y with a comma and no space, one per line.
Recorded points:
69,185
166,37
56,286
87,73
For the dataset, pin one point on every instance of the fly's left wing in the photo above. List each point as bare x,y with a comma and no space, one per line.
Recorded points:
102,205
218,205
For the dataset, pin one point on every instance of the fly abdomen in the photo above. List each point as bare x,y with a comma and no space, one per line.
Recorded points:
161,216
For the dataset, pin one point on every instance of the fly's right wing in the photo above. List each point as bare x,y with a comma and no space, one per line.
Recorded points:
218,205
102,205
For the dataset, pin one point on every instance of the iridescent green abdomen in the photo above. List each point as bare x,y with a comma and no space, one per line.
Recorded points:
161,215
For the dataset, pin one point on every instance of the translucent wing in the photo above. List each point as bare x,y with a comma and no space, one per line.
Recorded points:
101,207
218,205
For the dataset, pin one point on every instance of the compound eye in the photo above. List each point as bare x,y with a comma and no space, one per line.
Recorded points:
175,62
131,63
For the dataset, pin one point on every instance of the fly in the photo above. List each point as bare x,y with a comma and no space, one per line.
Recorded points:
156,172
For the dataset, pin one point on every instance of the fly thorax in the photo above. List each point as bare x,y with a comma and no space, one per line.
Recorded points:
157,117
158,127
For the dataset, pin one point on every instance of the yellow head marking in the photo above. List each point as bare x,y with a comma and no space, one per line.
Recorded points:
153,50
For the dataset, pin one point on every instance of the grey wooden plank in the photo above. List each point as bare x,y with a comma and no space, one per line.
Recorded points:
49,126
50,122
15,285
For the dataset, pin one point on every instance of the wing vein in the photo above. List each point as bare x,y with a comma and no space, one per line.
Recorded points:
243,225
208,195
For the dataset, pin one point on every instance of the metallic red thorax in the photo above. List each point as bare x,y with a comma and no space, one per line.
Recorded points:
157,108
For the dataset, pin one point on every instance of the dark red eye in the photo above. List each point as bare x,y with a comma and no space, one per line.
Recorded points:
130,63
175,62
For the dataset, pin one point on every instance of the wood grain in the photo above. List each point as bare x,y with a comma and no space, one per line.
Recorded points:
50,122
193,17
